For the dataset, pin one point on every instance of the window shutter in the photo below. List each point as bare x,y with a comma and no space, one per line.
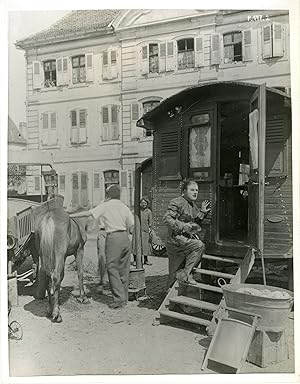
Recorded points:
65,67
267,41
84,195
278,33
169,148
215,49
276,151
89,67
162,56
75,190
44,130
144,57
114,122
37,71
170,60
247,45
123,179
82,126
113,64
59,71
62,183
74,128
199,52
105,123
105,66
136,132
52,131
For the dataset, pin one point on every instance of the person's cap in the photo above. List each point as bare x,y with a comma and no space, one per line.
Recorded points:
113,192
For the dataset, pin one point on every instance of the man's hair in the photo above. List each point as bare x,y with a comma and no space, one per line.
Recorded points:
186,183
113,192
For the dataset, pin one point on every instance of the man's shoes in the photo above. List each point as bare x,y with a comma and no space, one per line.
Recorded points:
146,262
116,305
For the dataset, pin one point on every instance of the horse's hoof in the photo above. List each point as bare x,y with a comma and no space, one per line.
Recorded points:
57,319
83,300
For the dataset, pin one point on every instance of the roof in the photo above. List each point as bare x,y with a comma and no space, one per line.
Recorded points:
73,25
14,135
192,94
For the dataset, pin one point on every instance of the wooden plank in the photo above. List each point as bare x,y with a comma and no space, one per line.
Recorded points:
206,287
185,300
213,273
224,259
181,316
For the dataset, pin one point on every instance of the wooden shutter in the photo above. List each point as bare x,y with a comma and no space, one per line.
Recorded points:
123,179
37,74
105,66
62,183
169,152
144,59
74,127
83,126
115,122
89,67
276,145
113,64
199,52
267,41
75,190
59,71
277,38
105,123
45,127
171,57
215,55
136,132
247,45
162,56
84,193
52,131
65,68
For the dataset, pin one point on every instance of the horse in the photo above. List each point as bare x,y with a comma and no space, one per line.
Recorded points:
56,237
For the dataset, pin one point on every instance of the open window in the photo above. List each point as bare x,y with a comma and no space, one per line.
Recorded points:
50,73
185,54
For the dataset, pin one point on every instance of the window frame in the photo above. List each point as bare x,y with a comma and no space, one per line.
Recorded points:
184,51
78,126
80,65
45,62
232,43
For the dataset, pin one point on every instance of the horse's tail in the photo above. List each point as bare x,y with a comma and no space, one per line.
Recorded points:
46,244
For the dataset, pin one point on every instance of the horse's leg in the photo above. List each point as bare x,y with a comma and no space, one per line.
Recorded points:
56,316
56,281
49,294
79,262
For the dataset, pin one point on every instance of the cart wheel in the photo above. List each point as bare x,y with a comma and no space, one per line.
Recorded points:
15,330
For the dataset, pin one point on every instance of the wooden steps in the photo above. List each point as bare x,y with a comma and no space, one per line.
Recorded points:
185,300
202,298
183,317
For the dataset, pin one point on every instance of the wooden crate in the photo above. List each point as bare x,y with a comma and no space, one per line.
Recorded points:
268,348
12,287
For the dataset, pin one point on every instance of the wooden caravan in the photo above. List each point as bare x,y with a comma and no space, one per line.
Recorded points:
235,139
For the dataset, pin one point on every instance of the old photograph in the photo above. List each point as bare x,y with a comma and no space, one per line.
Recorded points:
150,192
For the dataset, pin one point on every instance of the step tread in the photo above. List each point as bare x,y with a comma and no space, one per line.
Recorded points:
214,273
224,259
194,303
181,316
206,287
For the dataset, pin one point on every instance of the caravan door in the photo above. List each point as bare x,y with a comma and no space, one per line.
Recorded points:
256,186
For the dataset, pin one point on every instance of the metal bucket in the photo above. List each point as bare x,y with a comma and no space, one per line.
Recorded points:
273,311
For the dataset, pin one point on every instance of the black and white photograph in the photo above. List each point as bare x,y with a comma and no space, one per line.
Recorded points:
151,193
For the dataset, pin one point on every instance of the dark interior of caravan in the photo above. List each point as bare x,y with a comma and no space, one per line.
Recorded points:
233,171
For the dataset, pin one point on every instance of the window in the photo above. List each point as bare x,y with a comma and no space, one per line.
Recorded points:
153,58
79,126
148,106
200,146
186,54
273,40
49,129
50,73
78,69
111,177
110,123
80,196
232,47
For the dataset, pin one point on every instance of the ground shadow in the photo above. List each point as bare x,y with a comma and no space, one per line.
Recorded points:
104,298
38,307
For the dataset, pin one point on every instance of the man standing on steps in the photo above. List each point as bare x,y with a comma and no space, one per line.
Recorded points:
118,223
183,219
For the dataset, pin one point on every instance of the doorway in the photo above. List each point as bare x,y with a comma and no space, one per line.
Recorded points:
234,169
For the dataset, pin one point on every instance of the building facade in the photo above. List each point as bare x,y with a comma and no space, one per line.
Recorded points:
93,74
